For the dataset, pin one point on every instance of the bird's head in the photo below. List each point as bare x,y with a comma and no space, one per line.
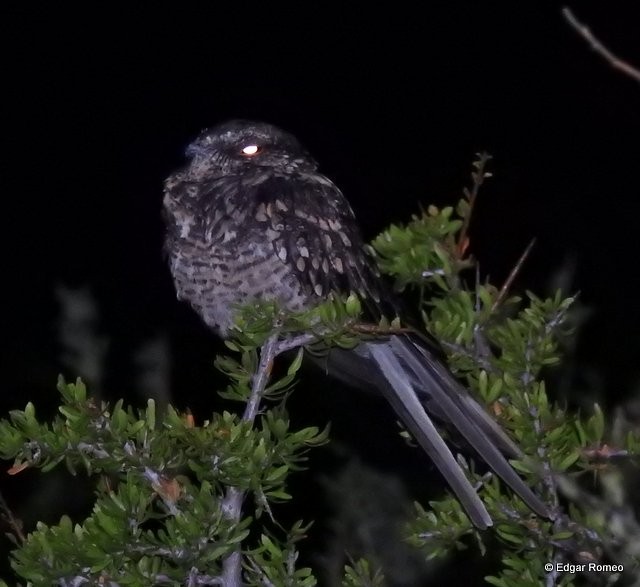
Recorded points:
238,146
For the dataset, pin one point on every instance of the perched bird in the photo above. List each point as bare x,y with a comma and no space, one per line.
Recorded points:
251,218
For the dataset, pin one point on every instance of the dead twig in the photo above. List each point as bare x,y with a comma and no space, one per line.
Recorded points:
599,48
14,523
478,176
504,290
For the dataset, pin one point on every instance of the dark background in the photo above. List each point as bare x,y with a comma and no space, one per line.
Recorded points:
98,107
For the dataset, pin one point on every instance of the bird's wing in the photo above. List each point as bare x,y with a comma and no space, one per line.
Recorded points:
315,233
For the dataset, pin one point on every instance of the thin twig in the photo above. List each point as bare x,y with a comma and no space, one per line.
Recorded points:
482,348
373,329
234,497
504,290
14,523
261,377
294,342
599,48
478,176
232,501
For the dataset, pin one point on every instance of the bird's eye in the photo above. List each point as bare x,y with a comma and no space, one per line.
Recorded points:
251,150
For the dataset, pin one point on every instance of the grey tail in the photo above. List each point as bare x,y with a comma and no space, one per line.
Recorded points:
415,380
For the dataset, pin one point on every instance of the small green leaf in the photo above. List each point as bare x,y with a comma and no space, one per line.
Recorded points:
295,364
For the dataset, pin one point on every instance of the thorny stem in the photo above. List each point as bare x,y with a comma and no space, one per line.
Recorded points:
234,497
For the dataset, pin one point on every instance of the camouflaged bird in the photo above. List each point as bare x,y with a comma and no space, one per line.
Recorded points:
250,218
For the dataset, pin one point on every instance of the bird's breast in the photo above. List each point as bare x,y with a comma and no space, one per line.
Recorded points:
217,275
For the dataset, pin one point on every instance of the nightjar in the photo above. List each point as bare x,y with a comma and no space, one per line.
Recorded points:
251,218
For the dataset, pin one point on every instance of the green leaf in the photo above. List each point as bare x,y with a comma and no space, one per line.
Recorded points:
296,363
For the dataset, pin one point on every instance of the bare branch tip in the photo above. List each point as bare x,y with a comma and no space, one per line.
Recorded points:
614,61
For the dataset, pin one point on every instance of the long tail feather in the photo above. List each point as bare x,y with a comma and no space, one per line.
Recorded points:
405,402
449,395
416,384
419,387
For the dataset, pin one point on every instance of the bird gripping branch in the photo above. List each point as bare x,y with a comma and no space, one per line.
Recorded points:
250,218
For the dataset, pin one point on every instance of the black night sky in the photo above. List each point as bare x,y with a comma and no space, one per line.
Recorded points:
99,106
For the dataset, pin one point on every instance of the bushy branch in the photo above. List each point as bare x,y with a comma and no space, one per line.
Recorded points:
183,500
174,515
501,346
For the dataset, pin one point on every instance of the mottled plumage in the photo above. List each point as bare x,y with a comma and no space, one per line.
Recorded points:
250,218
264,225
